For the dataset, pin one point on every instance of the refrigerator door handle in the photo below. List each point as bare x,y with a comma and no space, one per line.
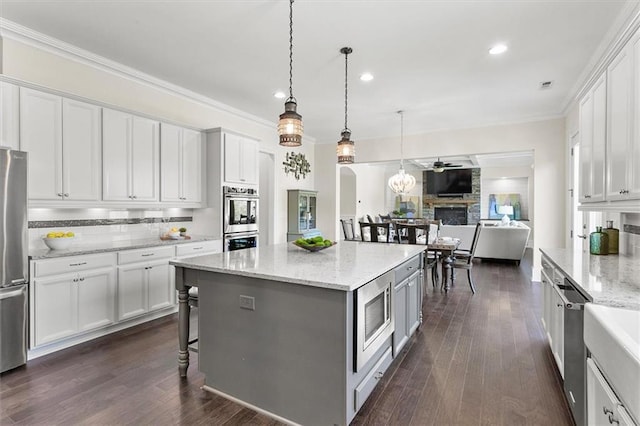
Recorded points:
10,294
19,281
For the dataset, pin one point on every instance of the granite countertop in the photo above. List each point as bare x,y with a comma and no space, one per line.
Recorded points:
87,247
612,280
345,266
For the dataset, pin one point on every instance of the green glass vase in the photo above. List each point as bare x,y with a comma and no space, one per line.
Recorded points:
599,242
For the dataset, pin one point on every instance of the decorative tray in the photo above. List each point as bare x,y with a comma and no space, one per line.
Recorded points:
314,248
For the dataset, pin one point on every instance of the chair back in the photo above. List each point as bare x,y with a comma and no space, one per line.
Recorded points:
385,217
374,229
474,242
347,229
412,232
370,219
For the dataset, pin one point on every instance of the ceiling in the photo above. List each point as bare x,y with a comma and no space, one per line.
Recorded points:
498,159
429,58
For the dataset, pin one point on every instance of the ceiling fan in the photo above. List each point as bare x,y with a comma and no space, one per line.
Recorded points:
439,166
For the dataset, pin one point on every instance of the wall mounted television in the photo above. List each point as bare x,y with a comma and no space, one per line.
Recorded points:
450,183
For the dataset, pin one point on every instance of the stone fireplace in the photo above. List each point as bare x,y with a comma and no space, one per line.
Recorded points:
451,215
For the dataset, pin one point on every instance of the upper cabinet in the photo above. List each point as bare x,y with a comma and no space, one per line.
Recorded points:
623,144
180,165
9,113
62,137
240,159
130,157
592,142
610,131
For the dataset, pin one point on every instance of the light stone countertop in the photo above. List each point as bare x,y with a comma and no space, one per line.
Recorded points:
612,280
344,266
86,247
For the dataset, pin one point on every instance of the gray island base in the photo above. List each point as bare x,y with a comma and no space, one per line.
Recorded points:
277,325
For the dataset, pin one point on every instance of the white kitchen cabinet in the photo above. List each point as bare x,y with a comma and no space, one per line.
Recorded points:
9,115
144,286
131,164
593,128
240,159
603,406
62,137
623,143
72,303
180,165
553,312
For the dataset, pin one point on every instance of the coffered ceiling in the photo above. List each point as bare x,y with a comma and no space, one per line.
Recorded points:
429,58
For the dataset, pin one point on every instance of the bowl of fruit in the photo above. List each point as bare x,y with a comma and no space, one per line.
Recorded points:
58,240
314,243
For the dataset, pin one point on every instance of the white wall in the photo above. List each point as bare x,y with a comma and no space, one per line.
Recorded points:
545,138
52,68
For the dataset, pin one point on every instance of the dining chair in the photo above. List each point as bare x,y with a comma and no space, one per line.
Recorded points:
463,259
370,219
412,231
374,231
348,229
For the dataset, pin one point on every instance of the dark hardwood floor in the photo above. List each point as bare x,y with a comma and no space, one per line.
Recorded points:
476,360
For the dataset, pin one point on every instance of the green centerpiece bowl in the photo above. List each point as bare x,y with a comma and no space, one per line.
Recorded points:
313,247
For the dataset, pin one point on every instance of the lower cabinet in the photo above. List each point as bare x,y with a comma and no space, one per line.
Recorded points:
72,303
407,304
603,406
553,312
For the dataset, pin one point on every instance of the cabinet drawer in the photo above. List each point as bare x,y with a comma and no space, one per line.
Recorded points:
72,264
407,268
195,249
364,389
144,255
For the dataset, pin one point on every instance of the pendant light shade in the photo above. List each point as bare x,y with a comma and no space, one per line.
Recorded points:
402,182
290,124
346,148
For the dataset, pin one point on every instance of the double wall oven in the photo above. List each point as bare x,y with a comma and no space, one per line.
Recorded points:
240,216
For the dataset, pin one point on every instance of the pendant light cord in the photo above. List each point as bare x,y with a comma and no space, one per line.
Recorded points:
401,138
346,92
291,51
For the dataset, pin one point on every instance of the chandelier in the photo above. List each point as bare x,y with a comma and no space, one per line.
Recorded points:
290,124
346,148
402,182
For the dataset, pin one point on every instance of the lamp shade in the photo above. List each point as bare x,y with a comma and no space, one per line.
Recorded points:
290,126
401,182
508,210
346,149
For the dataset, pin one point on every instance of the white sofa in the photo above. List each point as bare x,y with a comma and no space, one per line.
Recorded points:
496,241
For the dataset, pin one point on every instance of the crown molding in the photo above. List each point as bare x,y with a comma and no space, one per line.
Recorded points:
626,25
17,32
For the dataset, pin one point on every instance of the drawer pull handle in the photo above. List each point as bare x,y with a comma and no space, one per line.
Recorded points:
198,248
78,264
613,420
147,254
379,375
606,411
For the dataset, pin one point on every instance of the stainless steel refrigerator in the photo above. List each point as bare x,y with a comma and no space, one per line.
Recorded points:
14,265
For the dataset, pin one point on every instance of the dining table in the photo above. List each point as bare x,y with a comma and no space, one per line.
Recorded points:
446,246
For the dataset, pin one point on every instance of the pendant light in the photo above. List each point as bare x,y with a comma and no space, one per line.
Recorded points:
346,148
401,183
290,124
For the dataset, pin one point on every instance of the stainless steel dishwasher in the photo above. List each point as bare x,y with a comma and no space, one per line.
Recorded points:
575,358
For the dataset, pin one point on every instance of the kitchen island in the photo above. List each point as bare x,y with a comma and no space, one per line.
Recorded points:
279,326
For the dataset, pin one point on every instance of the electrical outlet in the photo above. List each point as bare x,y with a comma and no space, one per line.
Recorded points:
248,302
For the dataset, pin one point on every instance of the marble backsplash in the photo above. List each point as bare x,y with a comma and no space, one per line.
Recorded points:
105,225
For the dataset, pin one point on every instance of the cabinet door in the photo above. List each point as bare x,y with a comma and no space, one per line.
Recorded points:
96,293
116,134
413,302
601,401
170,163
633,168
132,291
56,308
9,115
598,147
557,330
401,331
233,158
81,150
161,292
249,161
191,166
41,137
145,164
619,89
586,146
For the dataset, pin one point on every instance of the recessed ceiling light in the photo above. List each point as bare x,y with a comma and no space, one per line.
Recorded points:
498,49
279,95
367,76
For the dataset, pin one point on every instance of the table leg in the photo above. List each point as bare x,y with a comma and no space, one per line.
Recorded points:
183,323
447,271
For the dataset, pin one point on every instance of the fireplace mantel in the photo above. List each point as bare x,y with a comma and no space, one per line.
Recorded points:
445,201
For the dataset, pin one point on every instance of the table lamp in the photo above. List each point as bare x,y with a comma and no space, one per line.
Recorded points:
506,211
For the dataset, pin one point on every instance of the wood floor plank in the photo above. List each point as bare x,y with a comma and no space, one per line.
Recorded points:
476,359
